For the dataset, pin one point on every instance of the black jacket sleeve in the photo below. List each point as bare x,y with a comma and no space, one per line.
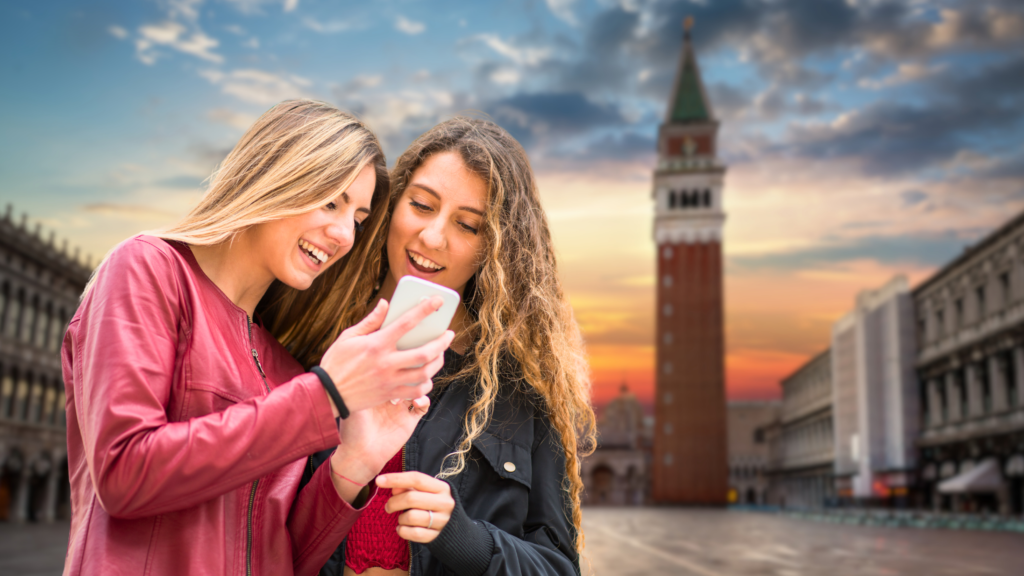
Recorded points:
477,548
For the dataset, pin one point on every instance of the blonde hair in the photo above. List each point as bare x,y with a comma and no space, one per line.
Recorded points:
520,310
295,158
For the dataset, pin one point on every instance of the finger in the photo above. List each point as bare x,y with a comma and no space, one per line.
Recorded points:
423,519
426,353
414,499
421,374
410,319
414,480
418,535
422,403
371,323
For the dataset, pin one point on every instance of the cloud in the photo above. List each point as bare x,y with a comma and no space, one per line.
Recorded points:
328,27
257,86
129,211
914,250
403,24
174,35
541,115
290,5
563,10
521,55
893,137
118,32
231,118
905,73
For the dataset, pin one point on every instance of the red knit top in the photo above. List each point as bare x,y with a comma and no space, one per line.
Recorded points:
374,540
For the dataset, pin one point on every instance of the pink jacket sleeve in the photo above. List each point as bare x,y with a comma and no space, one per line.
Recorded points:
123,353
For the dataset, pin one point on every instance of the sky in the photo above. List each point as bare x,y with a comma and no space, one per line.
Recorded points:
863,138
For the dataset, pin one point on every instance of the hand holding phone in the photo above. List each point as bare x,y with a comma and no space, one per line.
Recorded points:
410,292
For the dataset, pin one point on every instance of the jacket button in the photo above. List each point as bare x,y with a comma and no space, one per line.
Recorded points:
510,467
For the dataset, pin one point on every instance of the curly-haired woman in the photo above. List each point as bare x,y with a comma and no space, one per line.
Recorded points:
489,482
188,423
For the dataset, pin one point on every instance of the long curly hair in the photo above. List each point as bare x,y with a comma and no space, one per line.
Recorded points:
516,302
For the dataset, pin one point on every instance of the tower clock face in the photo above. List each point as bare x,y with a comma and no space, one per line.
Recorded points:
689,146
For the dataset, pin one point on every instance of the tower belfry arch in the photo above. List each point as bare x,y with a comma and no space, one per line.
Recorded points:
690,460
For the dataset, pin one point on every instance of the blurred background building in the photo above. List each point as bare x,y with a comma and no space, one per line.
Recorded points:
875,389
970,322
618,472
39,289
801,441
748,450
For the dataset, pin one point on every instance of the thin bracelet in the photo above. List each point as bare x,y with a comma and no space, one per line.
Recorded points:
332,390
331,466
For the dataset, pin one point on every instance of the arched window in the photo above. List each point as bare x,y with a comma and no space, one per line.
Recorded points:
13,319
684,199
695,199
35,400
707,198
5,293
671,198
49,403
57,326
20,396
29,320
43,325
6,393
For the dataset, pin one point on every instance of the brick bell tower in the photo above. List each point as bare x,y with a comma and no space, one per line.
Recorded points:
690,460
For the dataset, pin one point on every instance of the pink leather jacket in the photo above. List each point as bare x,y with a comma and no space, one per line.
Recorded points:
188,430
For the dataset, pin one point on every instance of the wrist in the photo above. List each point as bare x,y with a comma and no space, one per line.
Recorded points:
353,468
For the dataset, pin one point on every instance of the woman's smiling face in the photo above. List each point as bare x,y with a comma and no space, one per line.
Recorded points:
435,227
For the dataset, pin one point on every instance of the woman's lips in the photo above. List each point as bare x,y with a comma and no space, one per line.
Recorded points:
313,263
421,269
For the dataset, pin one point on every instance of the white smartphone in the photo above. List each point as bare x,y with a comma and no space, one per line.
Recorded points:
410,292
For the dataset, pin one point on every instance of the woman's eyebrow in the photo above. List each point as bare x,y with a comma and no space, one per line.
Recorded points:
434,193
348,200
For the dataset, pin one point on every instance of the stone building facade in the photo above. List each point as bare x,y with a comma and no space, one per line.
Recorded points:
876,397
618,472
748,450
970,363
801,444
39,289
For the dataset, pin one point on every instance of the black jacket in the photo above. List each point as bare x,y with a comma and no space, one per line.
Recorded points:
512,515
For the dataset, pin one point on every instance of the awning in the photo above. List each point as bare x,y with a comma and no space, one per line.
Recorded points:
983,477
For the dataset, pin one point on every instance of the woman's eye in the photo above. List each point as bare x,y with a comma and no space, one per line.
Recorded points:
418,206
358,226
331,206
469,228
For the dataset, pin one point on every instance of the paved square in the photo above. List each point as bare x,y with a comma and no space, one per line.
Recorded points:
688,542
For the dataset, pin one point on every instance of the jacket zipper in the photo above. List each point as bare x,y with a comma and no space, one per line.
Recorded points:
255,483
407,542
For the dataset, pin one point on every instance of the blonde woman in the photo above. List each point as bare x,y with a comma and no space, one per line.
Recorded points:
188,423
489,482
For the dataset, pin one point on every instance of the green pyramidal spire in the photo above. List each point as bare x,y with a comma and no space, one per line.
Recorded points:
689,104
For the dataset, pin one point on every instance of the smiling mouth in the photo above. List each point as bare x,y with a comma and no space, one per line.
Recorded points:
423,265
315,255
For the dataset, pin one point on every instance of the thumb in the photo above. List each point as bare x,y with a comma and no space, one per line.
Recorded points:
371,323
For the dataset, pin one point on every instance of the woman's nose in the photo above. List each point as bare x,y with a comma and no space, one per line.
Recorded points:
342,232
433,234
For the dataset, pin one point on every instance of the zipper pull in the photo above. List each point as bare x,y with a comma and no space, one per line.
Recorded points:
256,357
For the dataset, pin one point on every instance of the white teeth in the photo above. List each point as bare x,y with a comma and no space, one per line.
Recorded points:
424,262
316,252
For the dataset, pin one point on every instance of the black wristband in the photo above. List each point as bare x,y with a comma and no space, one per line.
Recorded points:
332,390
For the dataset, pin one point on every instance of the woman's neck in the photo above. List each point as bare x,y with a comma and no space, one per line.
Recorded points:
232,267
460,322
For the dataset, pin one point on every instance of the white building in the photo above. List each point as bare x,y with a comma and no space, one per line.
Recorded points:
875,395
